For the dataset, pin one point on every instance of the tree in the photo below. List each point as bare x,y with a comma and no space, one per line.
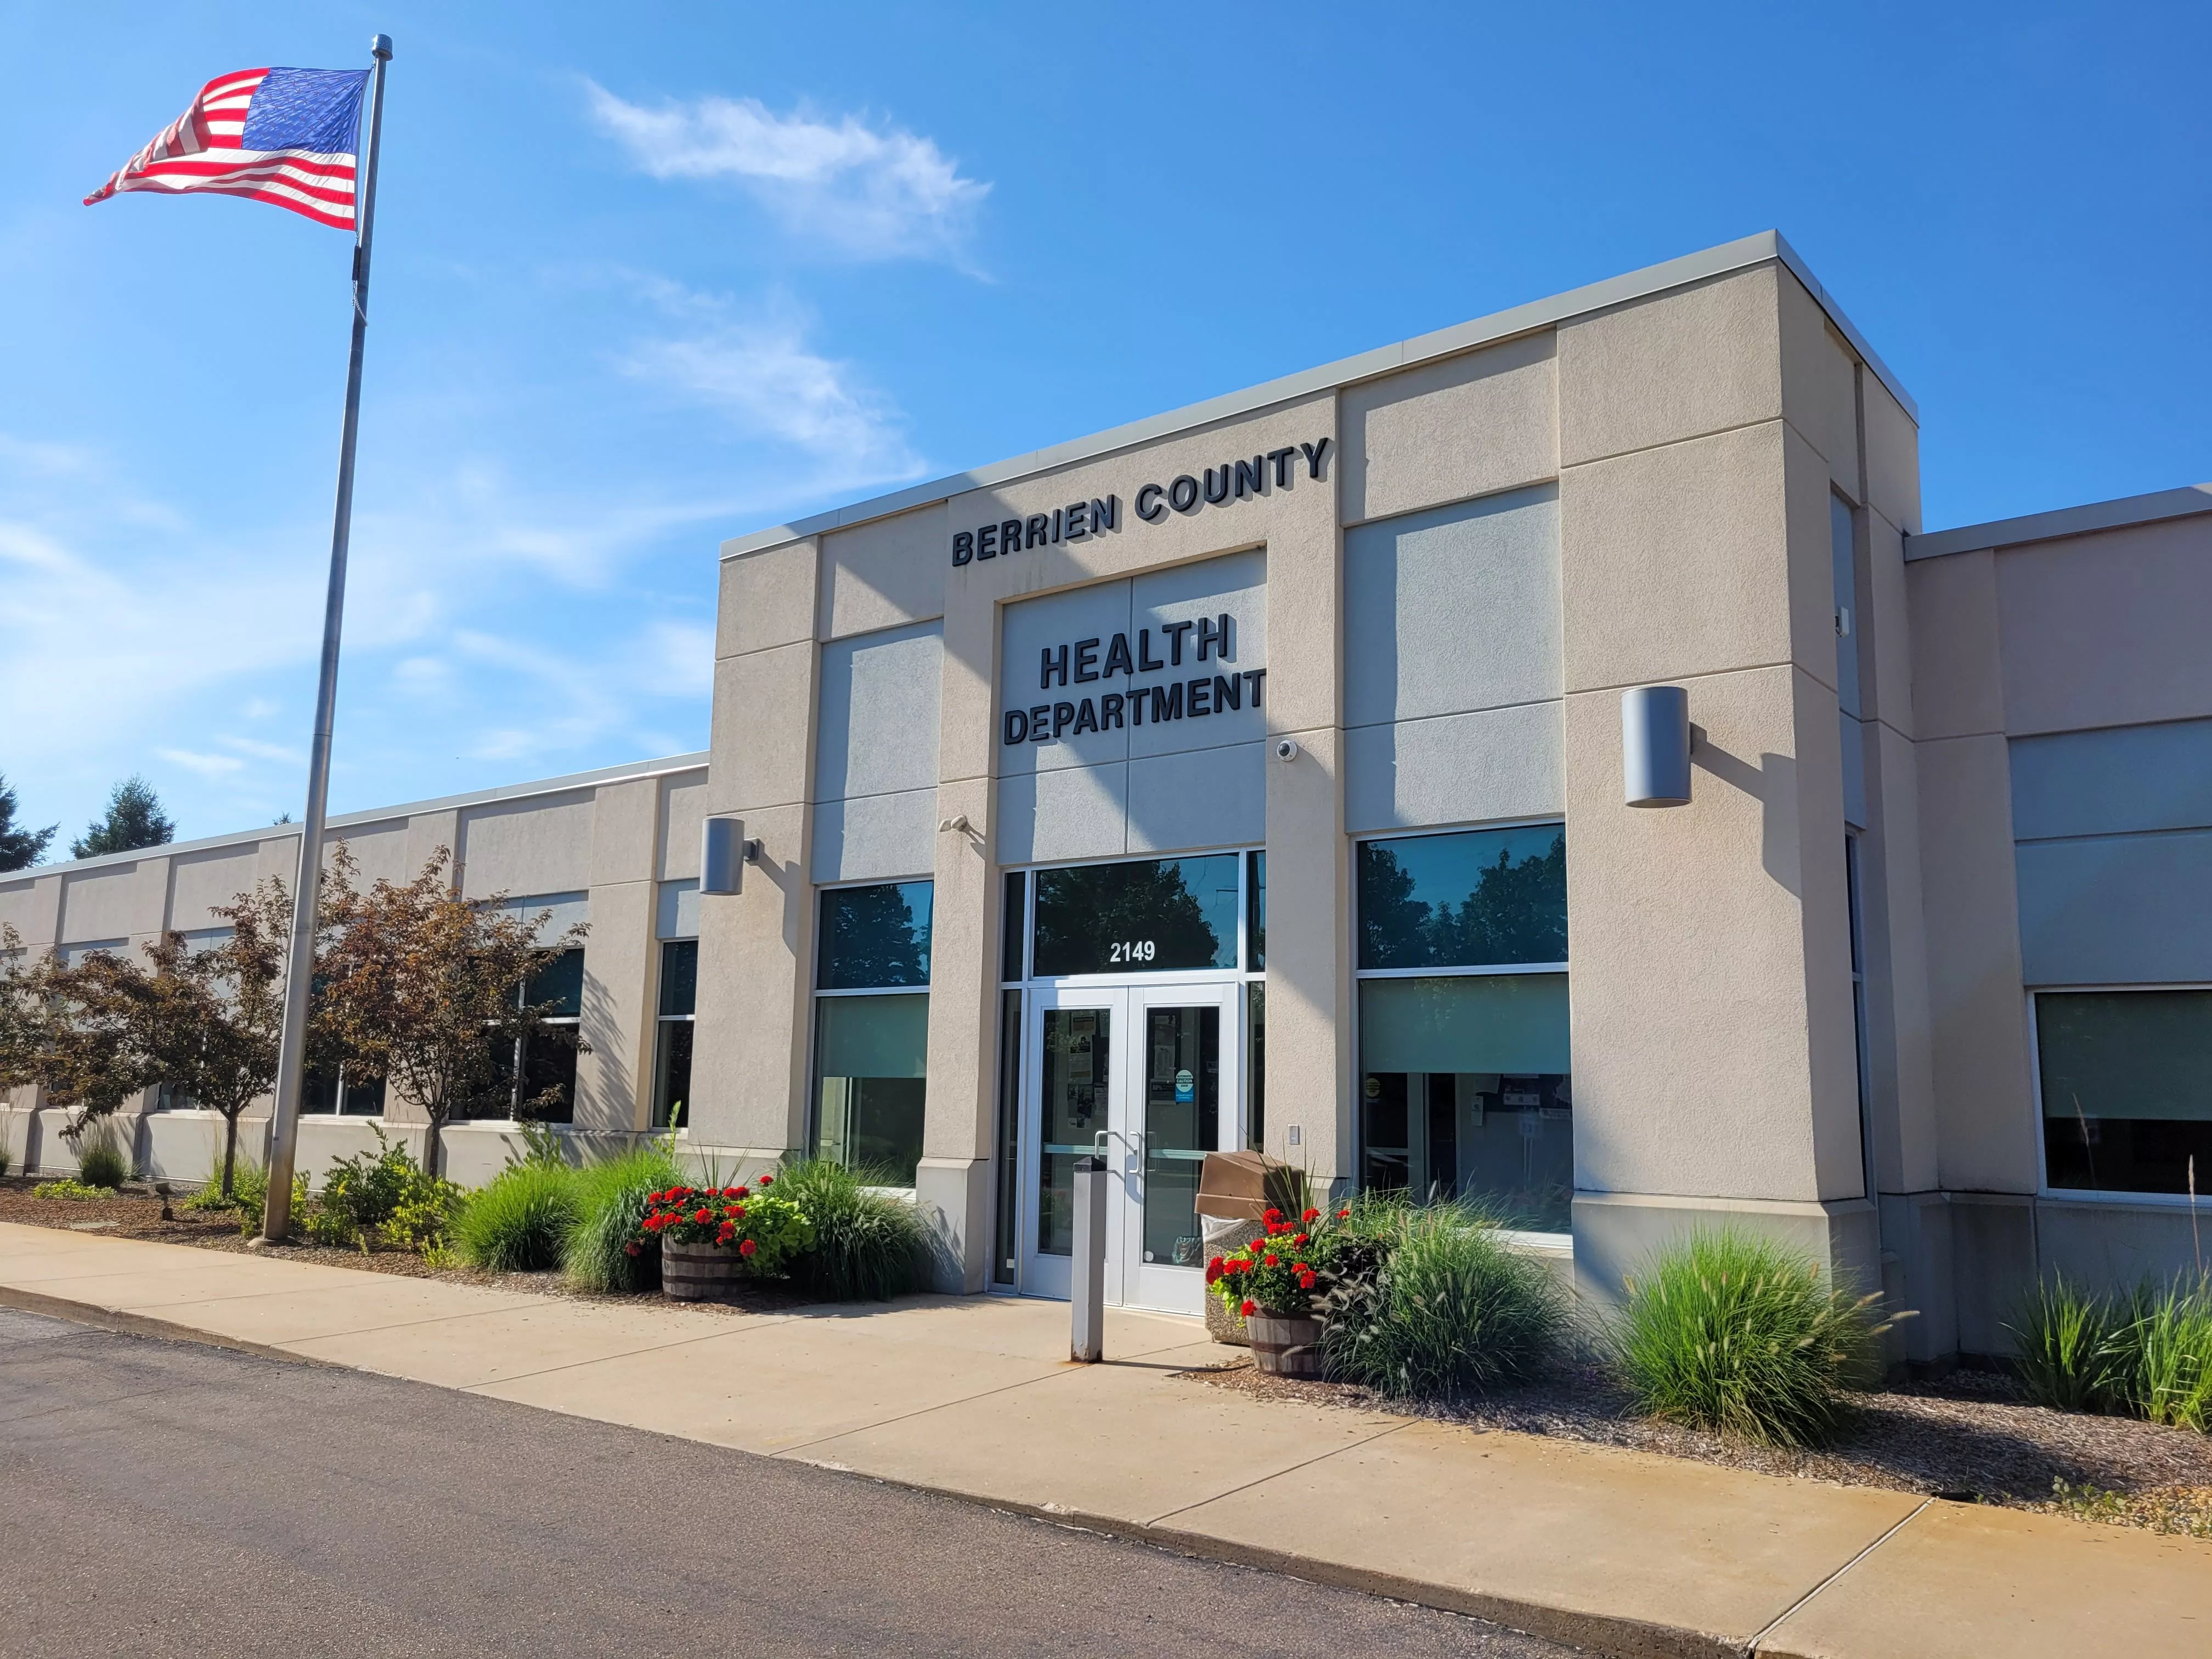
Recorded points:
22,1014
425,989
90,1048
19,848
134,819
214,1037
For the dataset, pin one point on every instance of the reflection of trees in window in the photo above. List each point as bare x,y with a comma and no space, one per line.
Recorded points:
1516,912
1081,913
873,938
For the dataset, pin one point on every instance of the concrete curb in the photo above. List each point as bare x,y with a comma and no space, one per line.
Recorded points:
130,1324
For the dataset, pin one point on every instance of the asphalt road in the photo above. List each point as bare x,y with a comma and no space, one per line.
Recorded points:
167,1498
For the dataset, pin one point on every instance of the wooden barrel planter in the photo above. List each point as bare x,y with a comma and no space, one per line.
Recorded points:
697,1272
1285,1347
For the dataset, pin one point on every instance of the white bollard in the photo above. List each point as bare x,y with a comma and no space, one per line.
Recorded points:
1087,1271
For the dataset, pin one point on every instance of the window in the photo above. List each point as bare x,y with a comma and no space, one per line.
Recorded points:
672,1049
1136,917
2126,1079
537,1073
1465,1085
872,1032
342,1096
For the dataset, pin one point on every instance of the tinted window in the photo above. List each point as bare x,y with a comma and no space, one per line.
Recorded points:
1138,917
2127,1089
1483,898
1255,920
875,936
679,976
561,983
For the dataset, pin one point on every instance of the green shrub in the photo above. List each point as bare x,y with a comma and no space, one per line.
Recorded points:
211,1196
362,1194
2162,1348
603,1252
1737,1334
70,1190
519,1223
2068,1359
100,1161
541,1144
1431,1304
869,1246
249,1185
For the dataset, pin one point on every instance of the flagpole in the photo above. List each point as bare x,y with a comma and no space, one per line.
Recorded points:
292,1045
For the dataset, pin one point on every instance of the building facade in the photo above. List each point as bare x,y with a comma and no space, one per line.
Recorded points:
1252,776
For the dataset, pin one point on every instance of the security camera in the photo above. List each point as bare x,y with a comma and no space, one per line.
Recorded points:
1286,749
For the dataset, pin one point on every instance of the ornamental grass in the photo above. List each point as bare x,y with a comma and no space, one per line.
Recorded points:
2066,1359
611,1205
2147,1354
1739,1335
519,1223
1431,1304
869,1245
100,1161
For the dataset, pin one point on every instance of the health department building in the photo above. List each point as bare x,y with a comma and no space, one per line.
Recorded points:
1279,773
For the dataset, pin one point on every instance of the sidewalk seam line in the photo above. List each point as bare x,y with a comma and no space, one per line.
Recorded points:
923,1411
1798,1606
1261,1480
763,1323
145,1310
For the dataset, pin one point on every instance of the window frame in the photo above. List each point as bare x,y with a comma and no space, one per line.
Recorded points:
815,991
661,1022
2043,1190
1480,970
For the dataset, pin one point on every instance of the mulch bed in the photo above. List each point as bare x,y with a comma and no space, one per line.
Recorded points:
135,1212
1969,1436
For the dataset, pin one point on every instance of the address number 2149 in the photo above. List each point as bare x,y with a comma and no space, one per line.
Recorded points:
1131,949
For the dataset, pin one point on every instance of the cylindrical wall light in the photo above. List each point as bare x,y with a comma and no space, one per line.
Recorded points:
1655,745
722,850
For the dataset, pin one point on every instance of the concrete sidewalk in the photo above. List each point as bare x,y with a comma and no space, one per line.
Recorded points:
1621,1551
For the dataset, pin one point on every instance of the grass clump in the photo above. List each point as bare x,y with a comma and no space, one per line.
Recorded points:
869,1245
2147,1354
519,1223
100,1157
602,1252
2068,1360
249,1185
1429,1302
76,1190
1737,1334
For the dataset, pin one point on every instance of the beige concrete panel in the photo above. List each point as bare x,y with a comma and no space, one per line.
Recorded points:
964,976
1978,1015
1887,694
1310,1033
541,844
682,809
1892,456
1820,395
1447,431
1698,360
1993,1256
1671,559
32,907
115,901
763,728
426,833
1899,976
1301,511
617,1016
2107,630
379,851
2111,1248
767,598
954,1197
1619,1235
1811,556
885,574
1687,944
1958,687
1824,890
199,881
625,831
1969,1580
753,1036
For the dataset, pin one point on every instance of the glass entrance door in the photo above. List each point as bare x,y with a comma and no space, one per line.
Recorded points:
1146,1077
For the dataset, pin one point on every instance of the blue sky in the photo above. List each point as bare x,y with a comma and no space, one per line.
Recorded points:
650,276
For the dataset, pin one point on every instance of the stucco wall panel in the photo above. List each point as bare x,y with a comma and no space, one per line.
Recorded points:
1444,432
1672,561
199,881
885,574
625,831
1699,359
1311,1041
115,901
381,852
1893,453
2121,780
616,1018
683,804
763,728
768,599
2116,909
1069,813
875,837
877,728
749,1071
1888,696
1694,1067
2107,630
1198,798
1819,397
1978,1015
540,845
32,906
1958,684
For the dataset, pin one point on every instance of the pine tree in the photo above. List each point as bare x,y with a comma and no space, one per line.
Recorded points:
134,819
19,848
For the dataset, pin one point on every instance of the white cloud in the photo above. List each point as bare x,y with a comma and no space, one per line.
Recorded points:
208,766
860,191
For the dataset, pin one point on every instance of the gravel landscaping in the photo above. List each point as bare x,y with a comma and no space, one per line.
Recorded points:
1968,1436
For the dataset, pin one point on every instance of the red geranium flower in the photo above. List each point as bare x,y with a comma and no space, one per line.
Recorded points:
1305,1281
744,1192
1250,1309
631,1248
725,1232
768,1181
1271,1260
1343,1214
1214,1270
1301,1239
704,1217
1310,1215
1271,1215
747,1247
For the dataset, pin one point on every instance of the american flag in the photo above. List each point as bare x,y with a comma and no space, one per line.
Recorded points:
288,136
